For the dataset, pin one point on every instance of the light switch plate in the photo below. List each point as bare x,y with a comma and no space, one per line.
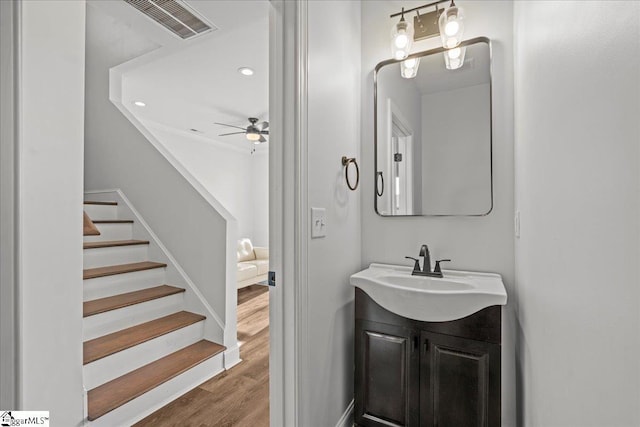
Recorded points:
318,222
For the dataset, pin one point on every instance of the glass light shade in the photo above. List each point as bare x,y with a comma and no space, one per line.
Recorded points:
451,24
401,39
253,136
454,58
409,68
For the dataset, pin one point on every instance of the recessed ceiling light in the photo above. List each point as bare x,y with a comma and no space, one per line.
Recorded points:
140,103
245,71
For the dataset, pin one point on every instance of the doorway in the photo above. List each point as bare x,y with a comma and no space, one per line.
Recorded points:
400,162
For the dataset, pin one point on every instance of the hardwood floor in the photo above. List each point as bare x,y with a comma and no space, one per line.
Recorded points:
239,396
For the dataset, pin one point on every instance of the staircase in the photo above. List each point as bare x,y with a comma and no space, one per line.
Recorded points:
141,348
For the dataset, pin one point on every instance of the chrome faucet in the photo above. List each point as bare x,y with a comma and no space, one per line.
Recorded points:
426,264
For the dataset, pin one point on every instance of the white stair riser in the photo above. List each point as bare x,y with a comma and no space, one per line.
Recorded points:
107,286
117,231
122,318
155,399
101,257
96,212
123,362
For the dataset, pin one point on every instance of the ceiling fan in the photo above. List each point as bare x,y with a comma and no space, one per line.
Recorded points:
254,132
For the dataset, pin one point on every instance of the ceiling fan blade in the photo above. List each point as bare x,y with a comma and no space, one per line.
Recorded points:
264,132
232,133
262,139
263,126
231,126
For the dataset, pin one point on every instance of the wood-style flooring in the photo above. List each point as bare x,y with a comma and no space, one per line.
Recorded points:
238,397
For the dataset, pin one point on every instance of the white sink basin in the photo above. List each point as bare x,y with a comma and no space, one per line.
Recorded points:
456,295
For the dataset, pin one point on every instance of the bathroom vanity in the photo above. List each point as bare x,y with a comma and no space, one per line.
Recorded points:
416,372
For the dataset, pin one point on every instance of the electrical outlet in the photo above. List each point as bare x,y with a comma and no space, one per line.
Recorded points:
318,222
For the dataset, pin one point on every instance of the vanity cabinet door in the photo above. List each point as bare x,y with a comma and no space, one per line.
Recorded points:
386,377
459,382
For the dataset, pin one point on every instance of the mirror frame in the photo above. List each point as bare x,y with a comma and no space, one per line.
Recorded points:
435,51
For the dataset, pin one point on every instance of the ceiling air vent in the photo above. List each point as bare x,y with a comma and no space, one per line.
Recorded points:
174,16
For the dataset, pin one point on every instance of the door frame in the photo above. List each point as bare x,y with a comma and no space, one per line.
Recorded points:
9,146
288,218
287,200
395,118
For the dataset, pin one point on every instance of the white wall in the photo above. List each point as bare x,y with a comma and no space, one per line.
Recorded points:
50,208
577,169
333,132
234,176
456,151
482,243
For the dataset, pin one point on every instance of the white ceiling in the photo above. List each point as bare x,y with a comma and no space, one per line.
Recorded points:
192,84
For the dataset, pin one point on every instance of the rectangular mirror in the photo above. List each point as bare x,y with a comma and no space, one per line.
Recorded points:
433,133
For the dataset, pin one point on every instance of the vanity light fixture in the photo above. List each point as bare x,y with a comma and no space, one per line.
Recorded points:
409,68
451,24
451,28
401,38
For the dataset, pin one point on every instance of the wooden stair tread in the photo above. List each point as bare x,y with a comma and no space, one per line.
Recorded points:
107,345
102,305
113,243
121,390
89,202
110,270
112,221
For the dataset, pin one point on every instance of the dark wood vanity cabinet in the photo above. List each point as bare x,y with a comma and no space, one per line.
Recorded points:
388,372
412,373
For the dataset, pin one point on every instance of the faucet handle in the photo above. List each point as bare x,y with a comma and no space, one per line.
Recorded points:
416,265
437,267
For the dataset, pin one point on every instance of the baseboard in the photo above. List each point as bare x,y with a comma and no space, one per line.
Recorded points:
232,357
346,420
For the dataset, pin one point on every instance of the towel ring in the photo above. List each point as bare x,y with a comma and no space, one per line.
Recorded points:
346,161
379,174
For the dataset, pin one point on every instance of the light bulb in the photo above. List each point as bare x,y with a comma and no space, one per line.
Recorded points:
452,42
454,53
454,58
451,24
452,27
401,39
410,63
409,68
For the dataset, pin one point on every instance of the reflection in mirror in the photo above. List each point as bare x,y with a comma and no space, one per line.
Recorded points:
433,134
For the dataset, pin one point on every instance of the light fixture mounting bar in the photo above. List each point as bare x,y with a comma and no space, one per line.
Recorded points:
418,8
